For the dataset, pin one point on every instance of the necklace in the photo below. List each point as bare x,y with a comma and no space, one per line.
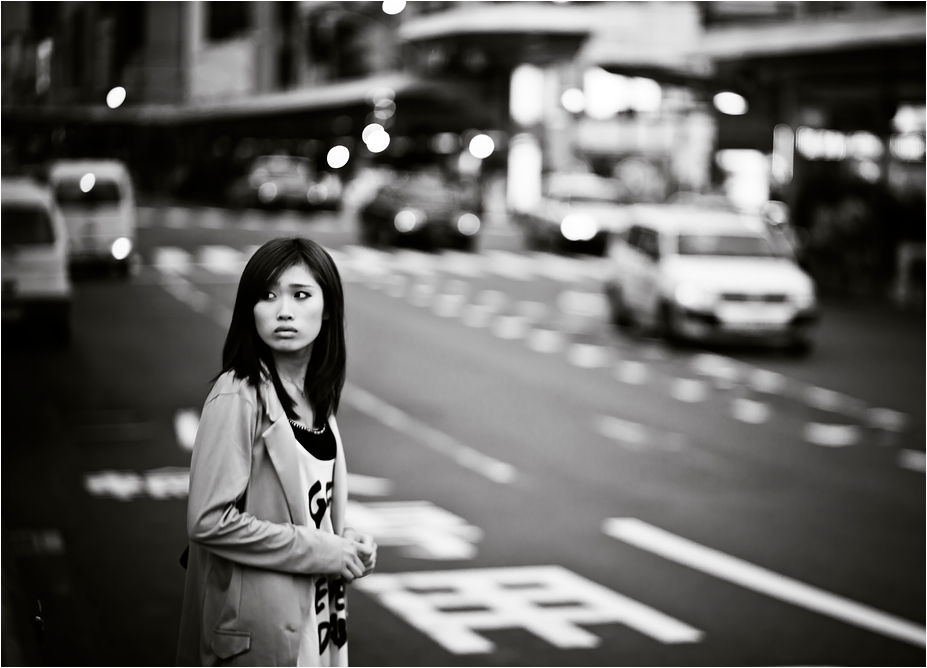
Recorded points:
299,388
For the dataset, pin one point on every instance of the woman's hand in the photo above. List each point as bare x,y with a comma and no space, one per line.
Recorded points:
366,548
352,566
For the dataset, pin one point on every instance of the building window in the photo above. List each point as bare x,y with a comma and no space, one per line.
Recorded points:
225,20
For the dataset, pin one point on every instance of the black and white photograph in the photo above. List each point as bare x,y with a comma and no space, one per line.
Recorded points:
463,333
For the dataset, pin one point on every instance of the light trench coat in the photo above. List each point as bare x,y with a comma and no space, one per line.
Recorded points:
251,543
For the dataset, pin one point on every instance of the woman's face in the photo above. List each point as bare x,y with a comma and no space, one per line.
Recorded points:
289,315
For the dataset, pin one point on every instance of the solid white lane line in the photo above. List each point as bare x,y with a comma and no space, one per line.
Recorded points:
745,574
487,466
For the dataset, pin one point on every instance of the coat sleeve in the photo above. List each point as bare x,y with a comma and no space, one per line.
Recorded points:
219,474
340,491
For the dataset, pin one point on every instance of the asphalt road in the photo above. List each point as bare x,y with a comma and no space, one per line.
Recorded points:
545,490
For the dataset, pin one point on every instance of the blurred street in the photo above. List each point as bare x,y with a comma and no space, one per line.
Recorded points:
545,488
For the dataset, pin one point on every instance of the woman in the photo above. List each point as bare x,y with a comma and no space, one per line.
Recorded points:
269,553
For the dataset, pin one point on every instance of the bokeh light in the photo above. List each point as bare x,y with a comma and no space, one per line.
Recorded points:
482,146
86,182
338,157
116,97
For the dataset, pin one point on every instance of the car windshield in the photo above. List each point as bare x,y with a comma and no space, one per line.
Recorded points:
25,225
733,245
69,191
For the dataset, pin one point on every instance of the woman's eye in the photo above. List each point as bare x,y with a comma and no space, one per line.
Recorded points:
267,296
302,294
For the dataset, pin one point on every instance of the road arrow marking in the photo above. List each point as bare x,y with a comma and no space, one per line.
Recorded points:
738,571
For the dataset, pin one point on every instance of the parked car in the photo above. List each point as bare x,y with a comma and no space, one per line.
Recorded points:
425,207
576,213
36,282
711,275
97,200
284,181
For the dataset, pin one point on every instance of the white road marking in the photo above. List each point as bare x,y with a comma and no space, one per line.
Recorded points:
632,373
624,431
222,260
911,459
186,423
588,356
887,419
749,411
448,305
689,390
34,542
476,461
549,601
768,382
510,327
172,260
421,529
745,574
163,483
546,341
832,435
366,485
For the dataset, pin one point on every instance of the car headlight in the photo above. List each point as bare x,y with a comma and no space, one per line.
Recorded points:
267,192
317,193
693,297
121,248
468,224
408,219
578,227
804,299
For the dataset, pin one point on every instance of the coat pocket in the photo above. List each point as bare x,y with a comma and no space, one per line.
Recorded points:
227,644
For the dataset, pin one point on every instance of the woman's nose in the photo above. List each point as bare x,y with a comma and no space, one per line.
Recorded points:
284,312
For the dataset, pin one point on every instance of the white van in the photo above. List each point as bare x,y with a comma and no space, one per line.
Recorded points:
36,284
97,199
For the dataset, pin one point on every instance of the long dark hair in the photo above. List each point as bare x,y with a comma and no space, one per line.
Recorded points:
247,355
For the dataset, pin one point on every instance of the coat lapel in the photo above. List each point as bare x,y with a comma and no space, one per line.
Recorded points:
282,448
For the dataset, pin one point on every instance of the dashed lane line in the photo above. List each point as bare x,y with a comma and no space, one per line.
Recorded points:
745,574
489,467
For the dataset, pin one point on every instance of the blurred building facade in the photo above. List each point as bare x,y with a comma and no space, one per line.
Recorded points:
833,123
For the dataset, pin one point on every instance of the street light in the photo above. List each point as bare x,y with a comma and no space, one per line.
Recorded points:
730,103
116,97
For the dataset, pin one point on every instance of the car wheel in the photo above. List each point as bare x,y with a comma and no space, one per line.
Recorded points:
666,326
801,347
620,314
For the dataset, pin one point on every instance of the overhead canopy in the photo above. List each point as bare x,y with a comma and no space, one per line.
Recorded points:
439,102
812,36
507,33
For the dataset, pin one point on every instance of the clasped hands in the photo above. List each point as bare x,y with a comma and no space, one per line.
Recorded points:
359,554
